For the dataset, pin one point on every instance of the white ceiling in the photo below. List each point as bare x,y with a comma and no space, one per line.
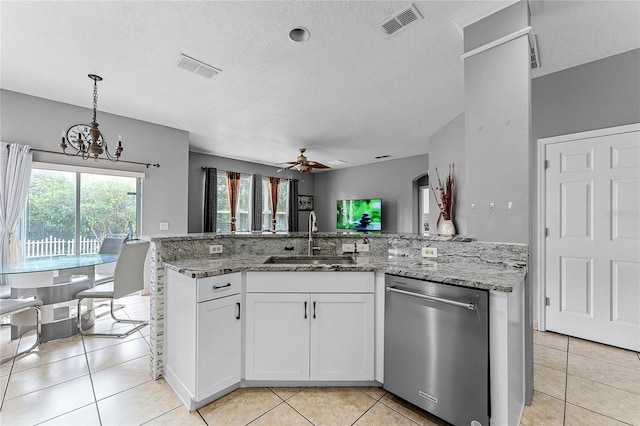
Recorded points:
349,93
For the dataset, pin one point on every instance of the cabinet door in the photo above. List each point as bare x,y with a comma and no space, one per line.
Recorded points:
342,337
277,336
219,345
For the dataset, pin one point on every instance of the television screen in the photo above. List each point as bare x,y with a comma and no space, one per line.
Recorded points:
359,215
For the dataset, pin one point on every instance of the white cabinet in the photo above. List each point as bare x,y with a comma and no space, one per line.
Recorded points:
341,341
202,336
277,344
324,333
219,345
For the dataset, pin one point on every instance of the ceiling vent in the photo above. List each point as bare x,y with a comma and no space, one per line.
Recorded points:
535,55
400,20
190,64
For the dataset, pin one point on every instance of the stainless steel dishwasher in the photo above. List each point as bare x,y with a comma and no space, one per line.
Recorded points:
436,348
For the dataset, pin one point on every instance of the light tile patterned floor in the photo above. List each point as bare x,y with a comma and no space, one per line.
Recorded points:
102,381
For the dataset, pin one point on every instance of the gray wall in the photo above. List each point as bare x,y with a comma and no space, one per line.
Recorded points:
497,131
196,183
38,122
447,146
596,95
391,180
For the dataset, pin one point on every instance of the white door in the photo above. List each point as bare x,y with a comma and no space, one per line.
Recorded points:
219,344
342,333
592,201
277,336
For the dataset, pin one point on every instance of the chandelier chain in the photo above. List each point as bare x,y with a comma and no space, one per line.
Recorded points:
95,99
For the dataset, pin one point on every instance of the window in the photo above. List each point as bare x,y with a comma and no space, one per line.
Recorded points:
223,212
70,210
281,213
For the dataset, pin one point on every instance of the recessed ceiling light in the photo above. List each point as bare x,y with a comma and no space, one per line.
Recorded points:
299,34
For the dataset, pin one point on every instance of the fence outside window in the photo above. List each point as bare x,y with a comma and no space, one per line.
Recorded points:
52,246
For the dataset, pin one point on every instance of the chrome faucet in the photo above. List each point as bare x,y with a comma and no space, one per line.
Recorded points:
313,227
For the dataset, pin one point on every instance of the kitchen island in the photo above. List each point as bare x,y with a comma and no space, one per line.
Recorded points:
497,268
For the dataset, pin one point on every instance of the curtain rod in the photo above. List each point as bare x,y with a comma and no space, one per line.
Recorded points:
209,168
74,155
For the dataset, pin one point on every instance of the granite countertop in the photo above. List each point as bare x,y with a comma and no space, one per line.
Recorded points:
462,271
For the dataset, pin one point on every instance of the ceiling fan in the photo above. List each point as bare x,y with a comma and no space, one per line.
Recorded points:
302,164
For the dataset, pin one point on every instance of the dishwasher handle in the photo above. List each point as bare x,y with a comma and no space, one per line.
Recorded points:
470,306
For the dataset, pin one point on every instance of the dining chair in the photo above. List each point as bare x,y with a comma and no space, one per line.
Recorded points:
110,245
128,278
15,306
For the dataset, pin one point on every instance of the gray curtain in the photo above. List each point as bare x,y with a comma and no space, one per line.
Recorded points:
292,214
256,202
210,199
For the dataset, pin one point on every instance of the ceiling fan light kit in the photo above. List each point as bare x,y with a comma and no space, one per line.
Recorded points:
302,164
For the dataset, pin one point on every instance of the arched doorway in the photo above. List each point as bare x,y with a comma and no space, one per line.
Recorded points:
421,205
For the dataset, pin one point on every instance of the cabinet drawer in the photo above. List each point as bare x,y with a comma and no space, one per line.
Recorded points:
219,286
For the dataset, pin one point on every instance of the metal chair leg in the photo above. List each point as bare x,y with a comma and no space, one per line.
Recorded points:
37,342
141,324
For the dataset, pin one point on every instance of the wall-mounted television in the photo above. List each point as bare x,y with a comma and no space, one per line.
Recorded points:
359,215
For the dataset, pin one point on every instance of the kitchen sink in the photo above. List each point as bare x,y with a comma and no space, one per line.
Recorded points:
311,260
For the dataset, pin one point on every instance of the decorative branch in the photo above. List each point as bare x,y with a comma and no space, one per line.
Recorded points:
445,203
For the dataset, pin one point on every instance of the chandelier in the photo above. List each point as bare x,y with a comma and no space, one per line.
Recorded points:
86,139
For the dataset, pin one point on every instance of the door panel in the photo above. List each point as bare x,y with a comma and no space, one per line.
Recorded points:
576,209
624,203
592,264
625,292
576,285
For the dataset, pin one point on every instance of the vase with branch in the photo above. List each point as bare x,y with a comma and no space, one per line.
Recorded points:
445,203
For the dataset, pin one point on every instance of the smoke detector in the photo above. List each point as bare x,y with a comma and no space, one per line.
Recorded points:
400,20
191,64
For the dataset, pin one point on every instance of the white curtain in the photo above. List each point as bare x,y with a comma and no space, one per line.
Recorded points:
15,173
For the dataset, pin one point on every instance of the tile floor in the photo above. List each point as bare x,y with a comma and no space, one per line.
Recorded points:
93,381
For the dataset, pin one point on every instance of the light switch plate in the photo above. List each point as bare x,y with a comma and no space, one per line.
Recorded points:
362,247
429,252
215,249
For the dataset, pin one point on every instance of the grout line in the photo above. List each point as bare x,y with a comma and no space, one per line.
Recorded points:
600,414
6,387
93,389
303,416
566,387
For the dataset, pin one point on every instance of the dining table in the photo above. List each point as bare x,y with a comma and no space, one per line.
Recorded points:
55,280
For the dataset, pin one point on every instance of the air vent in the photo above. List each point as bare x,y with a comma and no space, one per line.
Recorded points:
535,56
190,64
400,20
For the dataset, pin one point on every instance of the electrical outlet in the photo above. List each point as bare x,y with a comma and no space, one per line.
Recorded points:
348,248
429,252
362,247
164,226
215,249
430,265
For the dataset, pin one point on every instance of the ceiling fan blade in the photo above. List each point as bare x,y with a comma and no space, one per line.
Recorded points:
288,167
317,165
